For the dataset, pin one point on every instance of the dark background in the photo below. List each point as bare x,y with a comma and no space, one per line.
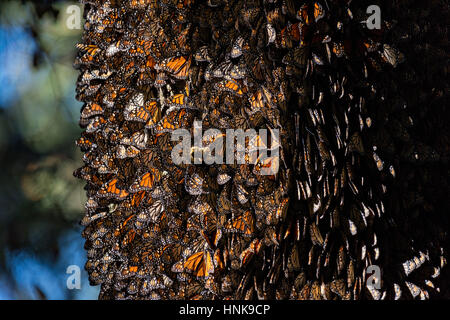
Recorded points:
40,200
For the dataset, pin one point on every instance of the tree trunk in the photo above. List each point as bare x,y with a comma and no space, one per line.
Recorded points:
358,186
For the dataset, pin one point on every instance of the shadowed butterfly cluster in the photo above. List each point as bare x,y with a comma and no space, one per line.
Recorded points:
310,69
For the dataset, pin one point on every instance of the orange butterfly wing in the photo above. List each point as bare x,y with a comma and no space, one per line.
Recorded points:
110,189
146,182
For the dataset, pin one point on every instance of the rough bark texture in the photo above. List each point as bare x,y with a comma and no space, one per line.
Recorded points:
363,160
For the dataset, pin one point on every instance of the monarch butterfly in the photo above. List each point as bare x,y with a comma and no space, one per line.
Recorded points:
91,49
200,264
110,19
279,214
238,47
271,33
91,109
96,124
141,48
218,260
223,178
200,243
136,101
173,251
238,71
128,271
138,139
371,46
338,287
316,236
84,144
85,173
297,57
379,163
257,102
200,207
356,144
97,74
267,166
247,254
202,55
208,222
123,152
391,55
179,101
274,16
193,223
128,237
230,86
147,181
178,67
338,49
151,112
210,141
137,199
242,194
244,224
163,141
151,214
173,120
160,80
155,210
302,14
191,289
89,219
107,165
155,115
146,76
160,282
193,184
290,35
120,45
111,190
91,205
123,226
316,59
319,13
112,94
223,202
222,69
260,99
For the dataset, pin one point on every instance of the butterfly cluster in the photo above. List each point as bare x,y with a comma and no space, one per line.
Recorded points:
310,69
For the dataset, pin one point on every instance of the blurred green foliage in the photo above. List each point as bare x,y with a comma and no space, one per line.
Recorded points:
40,200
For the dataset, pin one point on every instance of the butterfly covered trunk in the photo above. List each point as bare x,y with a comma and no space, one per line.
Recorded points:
362,159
